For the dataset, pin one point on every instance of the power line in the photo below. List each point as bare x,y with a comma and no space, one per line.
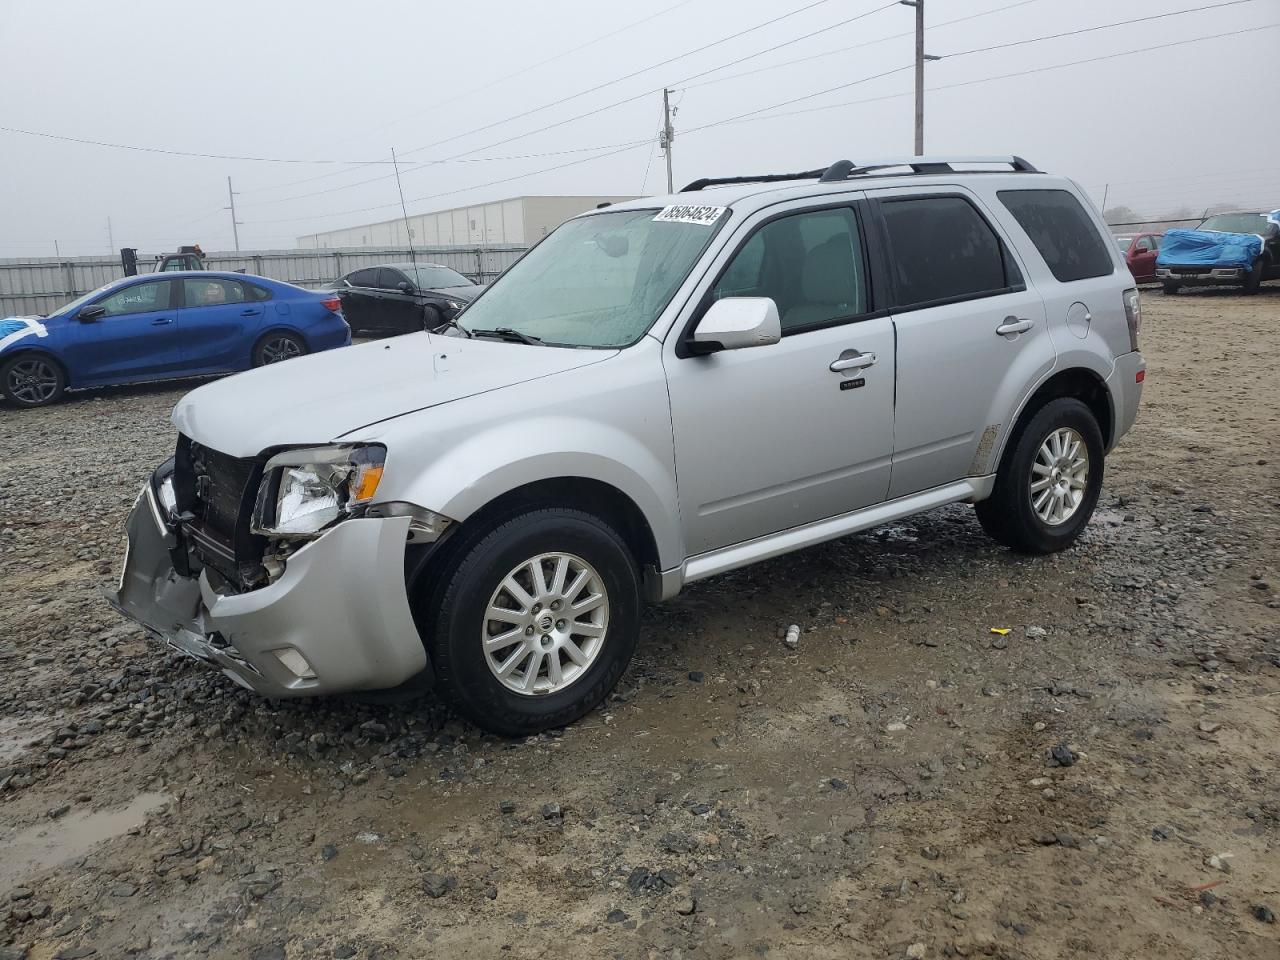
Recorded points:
1104,26
858,46
600,109
966,83
559,56
174,153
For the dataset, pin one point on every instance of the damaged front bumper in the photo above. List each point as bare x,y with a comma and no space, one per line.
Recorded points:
336,620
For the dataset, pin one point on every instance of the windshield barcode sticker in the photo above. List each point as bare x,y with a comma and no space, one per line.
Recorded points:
689,213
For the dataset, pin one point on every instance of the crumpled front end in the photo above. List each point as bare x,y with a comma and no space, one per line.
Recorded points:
337,619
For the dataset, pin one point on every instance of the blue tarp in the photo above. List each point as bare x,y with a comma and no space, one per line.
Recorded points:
1195,248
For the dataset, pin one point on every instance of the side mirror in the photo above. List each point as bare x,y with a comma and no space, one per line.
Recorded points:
92,312
404,286
1273,230
737,322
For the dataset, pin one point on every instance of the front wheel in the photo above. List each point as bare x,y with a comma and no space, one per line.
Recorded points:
536,621
31,380
1254,280
276,347
431,319
1049,483
1170,287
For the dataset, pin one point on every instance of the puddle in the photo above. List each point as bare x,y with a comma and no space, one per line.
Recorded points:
46,845
18,733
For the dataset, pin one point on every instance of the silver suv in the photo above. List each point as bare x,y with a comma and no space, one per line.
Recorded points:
659,391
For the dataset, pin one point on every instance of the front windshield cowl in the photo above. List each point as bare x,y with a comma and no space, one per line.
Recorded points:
599,280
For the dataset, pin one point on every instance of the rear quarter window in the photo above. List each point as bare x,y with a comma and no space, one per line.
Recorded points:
1064,234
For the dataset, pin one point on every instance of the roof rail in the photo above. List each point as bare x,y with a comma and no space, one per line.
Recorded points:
844,169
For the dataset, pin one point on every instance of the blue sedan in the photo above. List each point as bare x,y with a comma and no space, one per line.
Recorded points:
163,326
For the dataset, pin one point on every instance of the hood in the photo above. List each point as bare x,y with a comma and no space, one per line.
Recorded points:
317,398
467,293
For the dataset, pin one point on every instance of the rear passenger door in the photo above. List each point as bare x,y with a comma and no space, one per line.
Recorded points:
971,335
217,323
357,299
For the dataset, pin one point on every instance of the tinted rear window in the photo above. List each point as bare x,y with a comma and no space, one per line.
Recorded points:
1061,230
943,250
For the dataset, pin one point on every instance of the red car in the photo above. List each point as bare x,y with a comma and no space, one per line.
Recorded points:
1140,251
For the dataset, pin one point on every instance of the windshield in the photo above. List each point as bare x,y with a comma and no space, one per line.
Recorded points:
596,281
433,276
1236,223
1124,243
80,301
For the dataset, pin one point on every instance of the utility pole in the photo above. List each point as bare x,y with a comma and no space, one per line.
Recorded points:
408,230
56,252
235,224
668,134
111,238
921,57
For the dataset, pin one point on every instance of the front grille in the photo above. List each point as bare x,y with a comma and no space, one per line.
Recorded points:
215,494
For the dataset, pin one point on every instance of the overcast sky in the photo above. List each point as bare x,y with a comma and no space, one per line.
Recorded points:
1183,126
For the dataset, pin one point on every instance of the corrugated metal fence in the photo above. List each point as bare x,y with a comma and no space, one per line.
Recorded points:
41,286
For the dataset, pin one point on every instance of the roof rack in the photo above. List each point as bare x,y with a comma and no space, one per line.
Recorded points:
844,169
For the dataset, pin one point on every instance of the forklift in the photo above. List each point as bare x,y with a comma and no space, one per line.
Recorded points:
187,258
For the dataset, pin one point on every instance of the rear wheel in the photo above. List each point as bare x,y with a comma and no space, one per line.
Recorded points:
1049,483
30,380
275,347
1170,287
535,621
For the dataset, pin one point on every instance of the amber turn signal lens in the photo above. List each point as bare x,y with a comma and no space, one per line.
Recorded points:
365,483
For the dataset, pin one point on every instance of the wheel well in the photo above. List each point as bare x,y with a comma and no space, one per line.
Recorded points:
1077,382
581,493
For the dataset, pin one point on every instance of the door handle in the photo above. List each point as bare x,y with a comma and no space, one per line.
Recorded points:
161,321
852,360
1013,326
250,313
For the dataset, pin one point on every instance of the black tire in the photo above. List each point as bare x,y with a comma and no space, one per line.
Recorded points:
1254,280
431,319
1170,287
32,380
1008,515
278,346
456,622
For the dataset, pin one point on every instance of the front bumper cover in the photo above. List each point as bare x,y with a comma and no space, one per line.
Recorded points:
341,605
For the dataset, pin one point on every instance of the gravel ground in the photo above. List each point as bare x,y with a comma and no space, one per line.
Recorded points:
1102,780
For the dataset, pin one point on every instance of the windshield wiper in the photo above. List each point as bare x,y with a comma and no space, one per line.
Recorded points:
509,334
451,323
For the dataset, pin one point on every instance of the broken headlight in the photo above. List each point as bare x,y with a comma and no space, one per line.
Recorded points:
304,492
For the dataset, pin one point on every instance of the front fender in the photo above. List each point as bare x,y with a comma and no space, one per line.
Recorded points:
510,455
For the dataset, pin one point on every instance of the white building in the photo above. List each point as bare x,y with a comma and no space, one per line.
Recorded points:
520,221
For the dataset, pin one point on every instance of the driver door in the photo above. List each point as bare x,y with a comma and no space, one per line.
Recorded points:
771,437
135,339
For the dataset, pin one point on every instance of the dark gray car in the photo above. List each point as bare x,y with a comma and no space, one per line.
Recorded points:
403,297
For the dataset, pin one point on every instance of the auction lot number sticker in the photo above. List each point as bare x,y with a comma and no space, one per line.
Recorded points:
689,213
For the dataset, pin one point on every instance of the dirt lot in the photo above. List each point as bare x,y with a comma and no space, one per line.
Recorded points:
1104,780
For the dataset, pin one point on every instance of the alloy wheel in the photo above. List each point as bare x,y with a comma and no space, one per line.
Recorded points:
1059,476
280,348
545,624
32,381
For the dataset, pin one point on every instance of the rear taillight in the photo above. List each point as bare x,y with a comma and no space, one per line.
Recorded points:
1133,316
332,304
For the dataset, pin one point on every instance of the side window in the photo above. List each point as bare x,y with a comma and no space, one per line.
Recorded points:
389,279
139,298
1145,244
364,278
256,292
811,264
213,293
1061,230
1155,243
942,250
